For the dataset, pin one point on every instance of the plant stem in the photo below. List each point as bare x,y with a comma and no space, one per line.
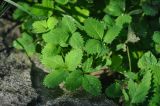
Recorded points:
129,59
18,6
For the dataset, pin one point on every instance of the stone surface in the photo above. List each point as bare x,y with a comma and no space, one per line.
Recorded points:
15,80
79,101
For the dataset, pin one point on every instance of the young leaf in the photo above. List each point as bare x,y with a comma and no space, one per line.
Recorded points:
142,90
54,78
76,40
74,80
69,23
94,28
123,19
111,34
93,46
40,26
147,60
92,85
73,59
52,22
114,90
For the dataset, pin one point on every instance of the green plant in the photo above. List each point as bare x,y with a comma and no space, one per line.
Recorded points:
78,45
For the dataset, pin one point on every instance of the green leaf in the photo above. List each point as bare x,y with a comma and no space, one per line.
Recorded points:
86,66
50,50
108,21
69,23
56,36
40,26
93,46
76,40
114,90
63,2
156,37
73,59
48,3
111,34
92,85
25,42
132,86
115,7
147,60
74,80
123,19
94,28
52,22
142,90
116,62
149,10
54,78
53,62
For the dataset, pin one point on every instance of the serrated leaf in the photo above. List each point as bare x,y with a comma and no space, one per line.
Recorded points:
93,46
69,23
147,60
142,90
63,2
111,34
156,37
73,59
53,62
54,78
74,80
92,85
76,40
40,26
52,22
50,50
86,66
56,36
114,90
94,28
123,19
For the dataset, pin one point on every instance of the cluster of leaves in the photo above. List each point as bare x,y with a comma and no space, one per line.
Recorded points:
78,44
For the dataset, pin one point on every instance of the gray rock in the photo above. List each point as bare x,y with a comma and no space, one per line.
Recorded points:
15,80
80,101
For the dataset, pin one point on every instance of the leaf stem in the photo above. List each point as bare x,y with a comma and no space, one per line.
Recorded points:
129,59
